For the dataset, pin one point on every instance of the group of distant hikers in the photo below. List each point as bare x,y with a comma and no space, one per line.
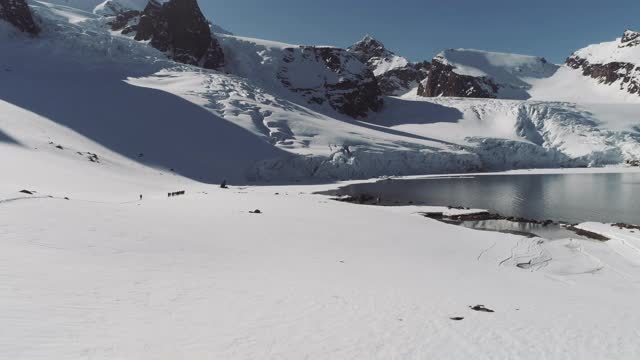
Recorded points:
223,185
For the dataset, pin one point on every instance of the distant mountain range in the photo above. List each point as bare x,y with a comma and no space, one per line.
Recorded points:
323,112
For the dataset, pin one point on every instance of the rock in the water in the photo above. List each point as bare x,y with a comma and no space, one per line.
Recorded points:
341,81
395,74
18,13
178,28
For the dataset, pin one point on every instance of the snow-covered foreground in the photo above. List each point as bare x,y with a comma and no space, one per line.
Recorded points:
105,276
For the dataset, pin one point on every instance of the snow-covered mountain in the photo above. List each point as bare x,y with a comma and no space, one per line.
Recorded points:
395,74
333,76
97,262
116,7
175,27
482,74
615,63
285,112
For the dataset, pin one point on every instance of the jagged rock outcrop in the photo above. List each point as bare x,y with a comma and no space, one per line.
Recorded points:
325,75
612,63
178,28
484,74
444,81
17,13
630,38
175,27
371,52
399,81
126,22
395,74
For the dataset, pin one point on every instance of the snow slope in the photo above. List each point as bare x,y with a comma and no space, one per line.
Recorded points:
85,5
114,7
96,277
512,73
612,51
90,271
536,132
571,86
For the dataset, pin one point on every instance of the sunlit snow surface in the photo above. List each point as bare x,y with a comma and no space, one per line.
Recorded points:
104,275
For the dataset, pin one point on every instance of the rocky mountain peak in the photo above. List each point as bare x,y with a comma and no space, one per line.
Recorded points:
18,14
395,74
369,48
178,28
614,63
630,38
339,79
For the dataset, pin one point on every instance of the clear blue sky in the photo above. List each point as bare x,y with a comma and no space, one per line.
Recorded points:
418,29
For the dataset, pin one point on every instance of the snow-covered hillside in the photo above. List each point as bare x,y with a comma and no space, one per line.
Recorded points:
475,73
106,276
615,64
115,7
97,262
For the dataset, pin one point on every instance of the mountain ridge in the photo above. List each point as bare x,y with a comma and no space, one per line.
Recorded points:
285,113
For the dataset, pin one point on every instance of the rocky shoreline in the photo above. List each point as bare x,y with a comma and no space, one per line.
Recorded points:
458,219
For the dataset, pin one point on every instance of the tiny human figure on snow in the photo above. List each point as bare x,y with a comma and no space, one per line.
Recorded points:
140,197
224,185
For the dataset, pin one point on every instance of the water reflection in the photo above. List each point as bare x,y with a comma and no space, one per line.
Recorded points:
567,197
551,231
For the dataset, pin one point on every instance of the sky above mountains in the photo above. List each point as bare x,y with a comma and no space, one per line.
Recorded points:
418,29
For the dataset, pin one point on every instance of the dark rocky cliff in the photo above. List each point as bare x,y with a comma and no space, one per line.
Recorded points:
325,75
17,13
179,28
392,80
624,73
444,81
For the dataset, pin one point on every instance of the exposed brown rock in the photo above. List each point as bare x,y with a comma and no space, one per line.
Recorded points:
126,22
630,38
587,234
347,85
624,73
443,81
18,13
369,48
179,29
403,78
628,74
395,81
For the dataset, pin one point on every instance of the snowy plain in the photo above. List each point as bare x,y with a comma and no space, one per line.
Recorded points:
105,275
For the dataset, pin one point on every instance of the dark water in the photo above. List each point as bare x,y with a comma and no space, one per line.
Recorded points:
551,231
571,198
